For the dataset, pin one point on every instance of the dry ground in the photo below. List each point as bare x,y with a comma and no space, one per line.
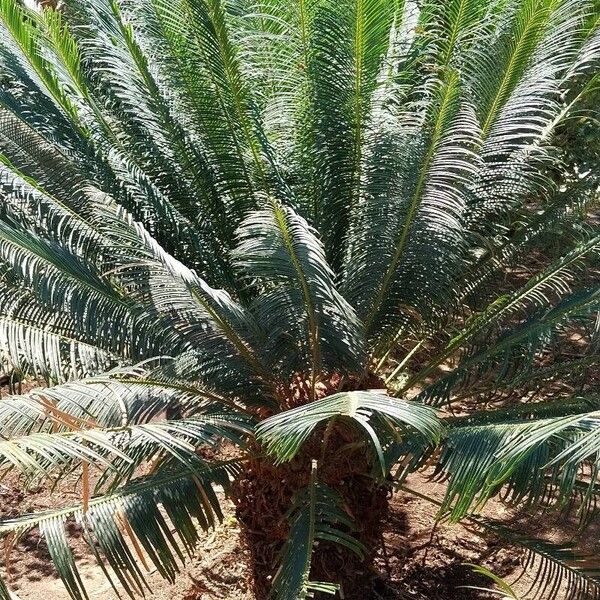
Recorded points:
417,562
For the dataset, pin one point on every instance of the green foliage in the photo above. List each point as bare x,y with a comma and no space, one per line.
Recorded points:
185,495
317,514
283,434
231,220
501,588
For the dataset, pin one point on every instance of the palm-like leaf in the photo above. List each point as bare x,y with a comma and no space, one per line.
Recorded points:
283,434
317,514
240,216
280,248
187,497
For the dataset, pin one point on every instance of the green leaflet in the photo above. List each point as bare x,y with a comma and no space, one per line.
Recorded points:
212,211
317,514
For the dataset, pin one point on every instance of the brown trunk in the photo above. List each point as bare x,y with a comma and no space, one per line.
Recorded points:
264,495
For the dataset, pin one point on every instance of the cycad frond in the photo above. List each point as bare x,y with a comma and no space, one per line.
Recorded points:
282,250
283,434
317,515
538,459
61,279
519,104
229,219
47,343
180,298
219,103
554,568
555,281
117,453
430,214
516,347
119,398
129,522
345,61
140,104
559,214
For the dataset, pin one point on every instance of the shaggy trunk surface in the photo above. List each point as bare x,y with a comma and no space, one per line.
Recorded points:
264,495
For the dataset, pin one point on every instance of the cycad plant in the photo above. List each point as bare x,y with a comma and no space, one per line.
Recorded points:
295,226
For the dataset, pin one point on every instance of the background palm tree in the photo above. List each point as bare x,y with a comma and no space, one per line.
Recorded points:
293,225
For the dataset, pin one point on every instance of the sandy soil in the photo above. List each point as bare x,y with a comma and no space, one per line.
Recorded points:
417,562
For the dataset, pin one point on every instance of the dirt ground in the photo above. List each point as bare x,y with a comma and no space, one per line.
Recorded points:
417,562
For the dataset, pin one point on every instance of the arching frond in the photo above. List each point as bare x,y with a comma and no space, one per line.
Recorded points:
281,249
519,102
117,527
429,212
345,59
110,44
47,343
119,398
553,567
559,214
215,210
165,285
117,453
555,281
62,279
283,434
519,344
558,276
220,104
536,458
